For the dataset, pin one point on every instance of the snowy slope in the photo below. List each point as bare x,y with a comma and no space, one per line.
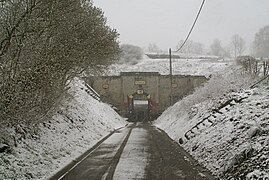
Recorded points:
233,140
45,148
180,66
223,140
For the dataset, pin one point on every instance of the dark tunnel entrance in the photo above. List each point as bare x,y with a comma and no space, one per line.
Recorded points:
139,106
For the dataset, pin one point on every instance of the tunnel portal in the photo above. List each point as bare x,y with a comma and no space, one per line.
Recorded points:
143,95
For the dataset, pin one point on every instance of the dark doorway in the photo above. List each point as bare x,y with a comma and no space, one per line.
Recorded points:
141,116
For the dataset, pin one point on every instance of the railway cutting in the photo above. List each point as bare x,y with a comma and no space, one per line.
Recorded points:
138,151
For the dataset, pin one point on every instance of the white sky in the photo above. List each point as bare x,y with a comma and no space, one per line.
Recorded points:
165,22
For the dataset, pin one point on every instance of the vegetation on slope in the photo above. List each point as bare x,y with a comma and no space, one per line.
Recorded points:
43,45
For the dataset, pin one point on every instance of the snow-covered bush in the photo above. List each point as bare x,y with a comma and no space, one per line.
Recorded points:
41,48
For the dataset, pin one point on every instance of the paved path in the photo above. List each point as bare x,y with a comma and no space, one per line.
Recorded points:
138,151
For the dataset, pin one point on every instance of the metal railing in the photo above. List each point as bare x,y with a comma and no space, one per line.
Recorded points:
92,92
191,133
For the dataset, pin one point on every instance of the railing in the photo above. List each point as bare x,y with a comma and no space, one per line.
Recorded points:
191,133
92,92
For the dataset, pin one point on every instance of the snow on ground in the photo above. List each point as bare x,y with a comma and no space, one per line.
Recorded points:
223,142
180,66
232,141
240,133
134,158
45,148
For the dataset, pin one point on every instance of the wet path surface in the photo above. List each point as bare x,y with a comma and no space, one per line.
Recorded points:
170,161
138,151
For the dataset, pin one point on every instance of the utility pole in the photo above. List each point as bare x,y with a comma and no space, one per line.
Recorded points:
171,80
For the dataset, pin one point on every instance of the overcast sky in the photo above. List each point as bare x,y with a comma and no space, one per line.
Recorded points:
165,22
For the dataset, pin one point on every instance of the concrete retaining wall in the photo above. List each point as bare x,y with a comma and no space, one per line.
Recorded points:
116,89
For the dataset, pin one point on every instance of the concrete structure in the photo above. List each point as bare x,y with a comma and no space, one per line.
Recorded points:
117,90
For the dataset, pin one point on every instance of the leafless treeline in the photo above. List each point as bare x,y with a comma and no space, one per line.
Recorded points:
254,66
43,44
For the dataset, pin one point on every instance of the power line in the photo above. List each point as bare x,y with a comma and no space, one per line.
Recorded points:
201,7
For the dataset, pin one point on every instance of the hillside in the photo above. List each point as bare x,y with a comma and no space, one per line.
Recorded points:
230,134
180,66
41,150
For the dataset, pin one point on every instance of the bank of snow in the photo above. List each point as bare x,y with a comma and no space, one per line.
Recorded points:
46,147
197,66
232,140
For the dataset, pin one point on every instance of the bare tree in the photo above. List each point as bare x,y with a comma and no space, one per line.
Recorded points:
191,47
154,48
238,45
216,48
261,42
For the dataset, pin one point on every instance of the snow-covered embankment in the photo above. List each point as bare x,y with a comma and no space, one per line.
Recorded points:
233,141
45,148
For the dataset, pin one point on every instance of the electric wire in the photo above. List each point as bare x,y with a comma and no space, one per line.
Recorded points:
197,16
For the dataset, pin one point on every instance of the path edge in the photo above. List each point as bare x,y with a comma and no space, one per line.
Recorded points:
66,168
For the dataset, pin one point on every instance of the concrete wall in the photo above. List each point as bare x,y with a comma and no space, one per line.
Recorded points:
116,89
